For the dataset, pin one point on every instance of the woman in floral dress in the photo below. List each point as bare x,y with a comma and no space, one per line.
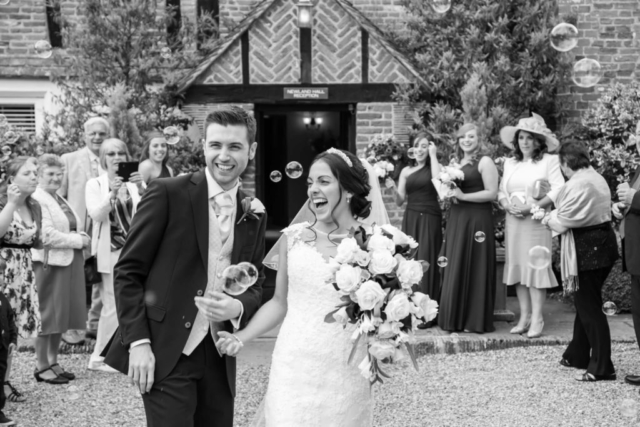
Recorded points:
20,230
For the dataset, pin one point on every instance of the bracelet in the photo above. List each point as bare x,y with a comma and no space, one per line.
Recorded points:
235,337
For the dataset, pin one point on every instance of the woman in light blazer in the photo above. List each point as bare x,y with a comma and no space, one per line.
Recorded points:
111,203
59,271
528,175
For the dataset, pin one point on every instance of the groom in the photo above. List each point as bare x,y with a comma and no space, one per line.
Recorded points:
186,231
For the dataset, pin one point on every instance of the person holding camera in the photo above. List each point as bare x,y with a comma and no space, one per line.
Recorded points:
111,204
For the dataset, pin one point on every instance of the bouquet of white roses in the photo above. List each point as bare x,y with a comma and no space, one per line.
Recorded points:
383,153
447,181
376,273
383,169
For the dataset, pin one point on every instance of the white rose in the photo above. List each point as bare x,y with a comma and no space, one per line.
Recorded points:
362,258
346,250
379,171
456,174
378,242
428,308
348,278
369,295
445,177
389,329
400,238
382,262
341,316
390,167
365,368
399,355
409,273
398,308
382,350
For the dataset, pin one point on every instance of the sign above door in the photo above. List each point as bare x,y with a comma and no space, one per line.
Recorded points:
306,93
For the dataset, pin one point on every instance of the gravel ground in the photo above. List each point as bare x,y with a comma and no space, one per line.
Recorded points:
515,387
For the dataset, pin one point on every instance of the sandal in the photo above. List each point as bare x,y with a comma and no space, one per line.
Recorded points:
587,377
15,395
62,373
55,380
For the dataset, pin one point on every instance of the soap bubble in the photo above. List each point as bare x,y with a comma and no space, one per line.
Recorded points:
587,72
275,176
411,153
237,278
150,298
441,6
480,236
43,49
165,53
171,134
609,308
629,408
293,170
539,257
564,37
4,2
11,137
443,261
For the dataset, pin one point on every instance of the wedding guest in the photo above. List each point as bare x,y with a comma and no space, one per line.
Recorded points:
8,343
59,272
469,278
423,216
111,204
628,210
154,157
20,224
80,166
531,141
589,250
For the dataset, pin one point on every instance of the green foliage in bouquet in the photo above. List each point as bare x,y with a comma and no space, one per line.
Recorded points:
119,63
607,127
386,155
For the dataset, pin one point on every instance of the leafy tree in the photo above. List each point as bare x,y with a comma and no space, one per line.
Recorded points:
122,60
502,45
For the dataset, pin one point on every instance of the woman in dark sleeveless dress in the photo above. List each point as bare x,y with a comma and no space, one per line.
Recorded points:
469,278
423,216
154,157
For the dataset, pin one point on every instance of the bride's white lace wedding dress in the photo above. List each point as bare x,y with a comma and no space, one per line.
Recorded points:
310,382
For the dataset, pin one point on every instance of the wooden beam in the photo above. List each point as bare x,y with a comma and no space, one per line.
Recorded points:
244,48
274,94
364,44
305,55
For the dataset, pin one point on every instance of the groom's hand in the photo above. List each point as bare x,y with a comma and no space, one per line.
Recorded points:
142,364
218,306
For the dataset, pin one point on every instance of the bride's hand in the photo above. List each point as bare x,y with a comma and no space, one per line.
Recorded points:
229,344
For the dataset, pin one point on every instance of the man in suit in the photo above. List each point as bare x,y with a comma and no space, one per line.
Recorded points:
628,209
79,167
186,232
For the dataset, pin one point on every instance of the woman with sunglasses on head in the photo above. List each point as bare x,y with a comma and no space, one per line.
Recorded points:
423,217
154,157
111,204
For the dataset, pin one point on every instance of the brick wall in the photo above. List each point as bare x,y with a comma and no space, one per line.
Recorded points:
608,32
383,13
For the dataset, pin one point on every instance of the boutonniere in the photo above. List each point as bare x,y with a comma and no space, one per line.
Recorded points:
251,208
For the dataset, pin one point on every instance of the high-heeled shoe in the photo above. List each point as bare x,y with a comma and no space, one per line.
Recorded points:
56,380
520,330
536,333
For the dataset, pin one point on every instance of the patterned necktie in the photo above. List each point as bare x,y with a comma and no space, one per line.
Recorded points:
223,207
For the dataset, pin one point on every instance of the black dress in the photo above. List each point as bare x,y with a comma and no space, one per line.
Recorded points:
469,279
423,221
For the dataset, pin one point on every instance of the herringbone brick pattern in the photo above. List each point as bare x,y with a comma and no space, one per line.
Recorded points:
227,69
274,46
336,53
383,68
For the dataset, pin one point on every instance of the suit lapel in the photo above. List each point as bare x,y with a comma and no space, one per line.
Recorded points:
199,195
240,228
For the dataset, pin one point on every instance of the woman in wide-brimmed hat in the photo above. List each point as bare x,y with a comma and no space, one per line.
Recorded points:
532,177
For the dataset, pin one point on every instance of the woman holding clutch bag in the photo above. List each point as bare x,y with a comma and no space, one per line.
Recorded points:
527,176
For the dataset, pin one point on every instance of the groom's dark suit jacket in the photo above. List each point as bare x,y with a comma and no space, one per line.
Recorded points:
163,266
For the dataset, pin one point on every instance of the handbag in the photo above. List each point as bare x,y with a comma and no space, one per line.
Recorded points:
91,274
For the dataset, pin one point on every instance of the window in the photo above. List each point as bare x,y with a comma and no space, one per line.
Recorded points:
20,116
53,23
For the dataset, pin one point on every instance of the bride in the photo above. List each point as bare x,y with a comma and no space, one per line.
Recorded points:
310,383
